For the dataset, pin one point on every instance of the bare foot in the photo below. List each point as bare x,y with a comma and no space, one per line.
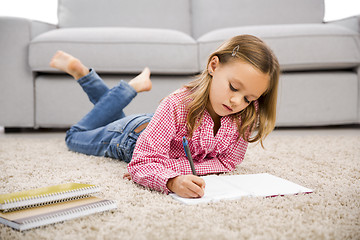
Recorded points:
69,64
142,82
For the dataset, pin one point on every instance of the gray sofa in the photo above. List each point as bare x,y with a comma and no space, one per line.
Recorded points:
320,62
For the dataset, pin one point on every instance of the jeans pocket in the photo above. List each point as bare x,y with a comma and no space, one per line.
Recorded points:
126,140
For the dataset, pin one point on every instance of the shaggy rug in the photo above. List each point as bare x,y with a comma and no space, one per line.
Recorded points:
328,164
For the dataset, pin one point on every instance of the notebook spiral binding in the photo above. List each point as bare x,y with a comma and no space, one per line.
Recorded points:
70,214
46,199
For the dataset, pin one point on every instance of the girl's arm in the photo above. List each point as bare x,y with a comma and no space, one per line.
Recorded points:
151,165
225,161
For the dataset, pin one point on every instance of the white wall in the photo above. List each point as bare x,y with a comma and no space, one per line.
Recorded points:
46,10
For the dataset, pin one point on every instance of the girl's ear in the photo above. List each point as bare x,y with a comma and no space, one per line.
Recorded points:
213,64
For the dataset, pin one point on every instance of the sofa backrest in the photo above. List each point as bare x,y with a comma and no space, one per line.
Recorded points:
168,14
194,17
208,15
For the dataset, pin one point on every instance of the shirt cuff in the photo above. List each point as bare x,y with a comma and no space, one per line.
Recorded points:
165,178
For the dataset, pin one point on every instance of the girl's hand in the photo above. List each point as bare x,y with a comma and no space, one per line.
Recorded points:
187,186
127,176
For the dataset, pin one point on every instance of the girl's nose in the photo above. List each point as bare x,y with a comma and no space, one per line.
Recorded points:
236,100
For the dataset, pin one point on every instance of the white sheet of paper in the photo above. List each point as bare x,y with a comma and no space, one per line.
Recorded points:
236,186
264,185
215,190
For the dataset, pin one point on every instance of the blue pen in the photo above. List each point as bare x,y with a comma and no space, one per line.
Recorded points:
188,155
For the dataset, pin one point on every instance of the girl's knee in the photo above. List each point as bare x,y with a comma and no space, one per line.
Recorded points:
69,134
67,137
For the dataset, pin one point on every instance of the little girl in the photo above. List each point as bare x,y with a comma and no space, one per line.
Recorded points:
231,103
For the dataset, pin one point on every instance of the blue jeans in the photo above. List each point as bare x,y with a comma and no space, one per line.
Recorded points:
105,130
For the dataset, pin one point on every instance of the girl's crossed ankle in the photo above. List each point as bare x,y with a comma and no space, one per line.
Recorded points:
69,64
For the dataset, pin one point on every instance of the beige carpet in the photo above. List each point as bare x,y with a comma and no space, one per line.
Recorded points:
328,164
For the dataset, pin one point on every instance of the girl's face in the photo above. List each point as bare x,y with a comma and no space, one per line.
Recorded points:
234,86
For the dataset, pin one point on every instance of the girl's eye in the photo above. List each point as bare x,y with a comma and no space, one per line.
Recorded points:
232,88
235,90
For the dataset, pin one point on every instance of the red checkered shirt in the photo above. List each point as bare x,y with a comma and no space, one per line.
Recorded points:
159,154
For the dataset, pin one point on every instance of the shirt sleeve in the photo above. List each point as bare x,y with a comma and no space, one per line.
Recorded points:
224,162
150,165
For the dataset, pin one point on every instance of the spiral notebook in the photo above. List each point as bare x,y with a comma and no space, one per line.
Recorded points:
231,187
43,215
46,195
42,206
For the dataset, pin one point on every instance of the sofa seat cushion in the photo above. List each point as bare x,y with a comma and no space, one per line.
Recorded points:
118,50
298,47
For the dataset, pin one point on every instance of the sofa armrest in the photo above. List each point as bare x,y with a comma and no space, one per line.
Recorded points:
357,18
352,23
16,78
358,22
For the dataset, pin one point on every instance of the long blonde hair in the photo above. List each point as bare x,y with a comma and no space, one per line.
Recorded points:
259,117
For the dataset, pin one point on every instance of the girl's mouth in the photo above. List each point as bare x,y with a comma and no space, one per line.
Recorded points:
228,108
